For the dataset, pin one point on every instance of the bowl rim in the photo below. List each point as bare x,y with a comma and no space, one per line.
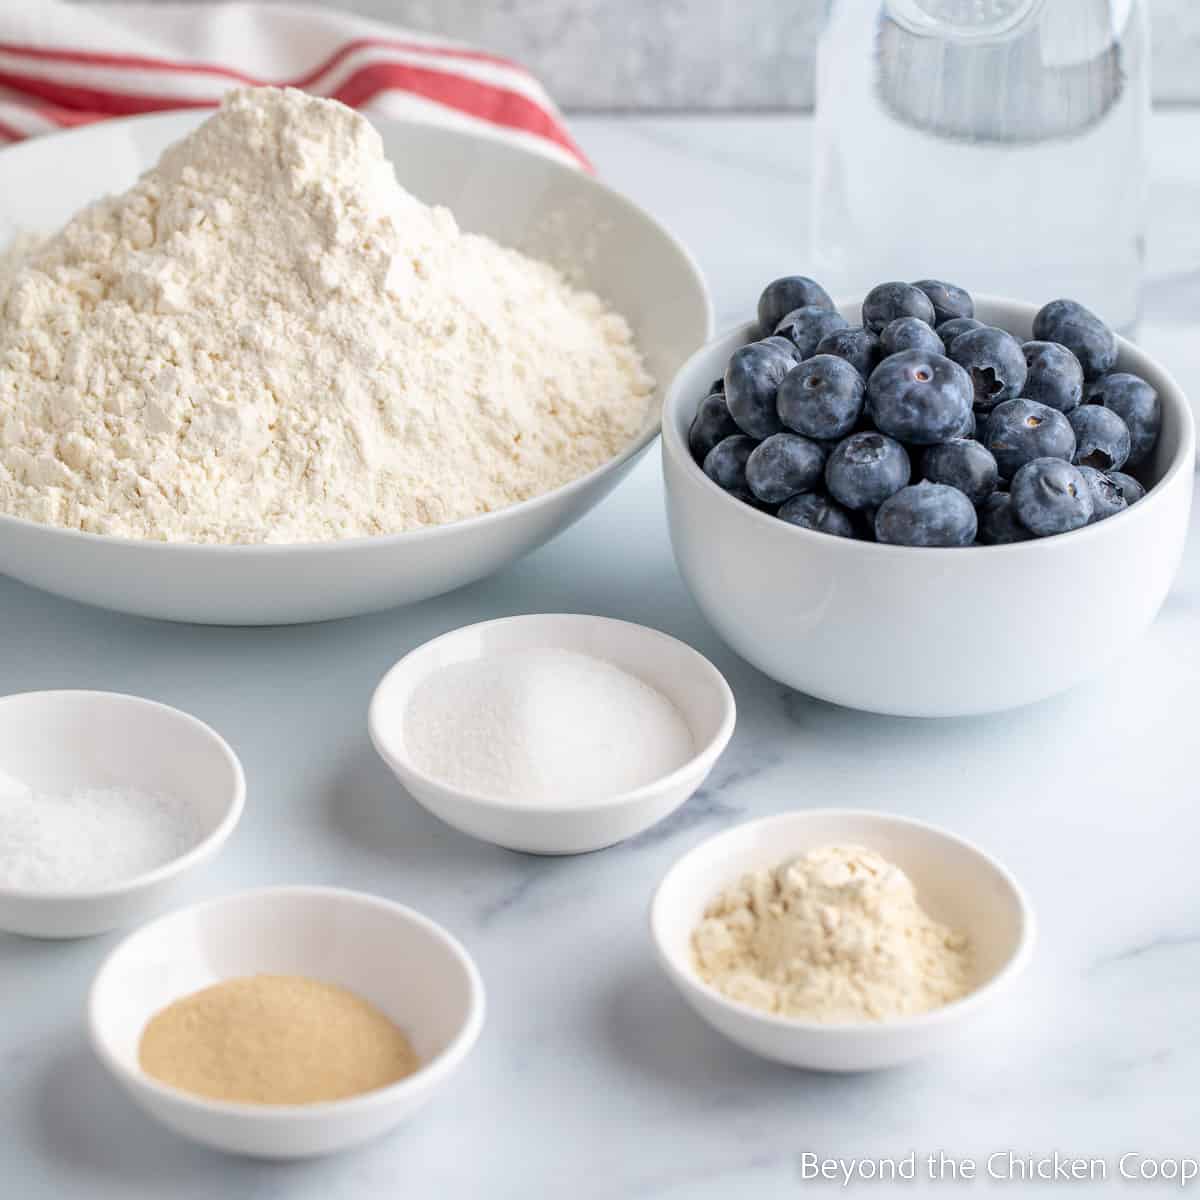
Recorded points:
427,1074
686,978
1182,460
652,422
205,848
701,758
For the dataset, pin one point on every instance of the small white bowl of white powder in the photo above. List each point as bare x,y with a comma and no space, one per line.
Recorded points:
552,734
106,802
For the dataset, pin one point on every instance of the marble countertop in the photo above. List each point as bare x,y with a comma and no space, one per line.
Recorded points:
592,1080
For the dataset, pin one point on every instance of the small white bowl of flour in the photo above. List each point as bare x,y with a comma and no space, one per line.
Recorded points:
107,802
552,734
840,940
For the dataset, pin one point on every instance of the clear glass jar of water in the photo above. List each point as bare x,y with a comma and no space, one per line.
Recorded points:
995,143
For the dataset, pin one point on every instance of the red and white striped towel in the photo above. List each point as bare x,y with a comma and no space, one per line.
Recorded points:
63,65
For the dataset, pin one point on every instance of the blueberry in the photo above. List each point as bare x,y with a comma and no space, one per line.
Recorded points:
949,330
711,424
812,511
1137,404
1053,376
1107,497
926,514
888,301
908,333
1101,438
949,301
752,380
822,398
859,347
998,524
1129,487
783,466
783,345
781,296
1051,496
995,362
865,469
1018,431
918,397
725,465
969,428
965,465
805,327
1081,331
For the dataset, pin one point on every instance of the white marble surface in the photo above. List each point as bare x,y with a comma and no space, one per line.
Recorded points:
592,1080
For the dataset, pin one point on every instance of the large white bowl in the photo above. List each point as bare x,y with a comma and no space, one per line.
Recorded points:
956,883
58,741
684,676
404,964
516,196
926,632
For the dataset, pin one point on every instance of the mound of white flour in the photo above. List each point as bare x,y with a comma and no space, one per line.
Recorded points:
268,340
833,935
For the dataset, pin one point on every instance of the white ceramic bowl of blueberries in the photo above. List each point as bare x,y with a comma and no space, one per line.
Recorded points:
928,504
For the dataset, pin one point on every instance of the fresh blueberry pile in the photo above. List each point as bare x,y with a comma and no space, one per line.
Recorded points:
924,426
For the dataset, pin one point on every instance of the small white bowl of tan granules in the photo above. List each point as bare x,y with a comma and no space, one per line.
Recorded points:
840,940
287,1022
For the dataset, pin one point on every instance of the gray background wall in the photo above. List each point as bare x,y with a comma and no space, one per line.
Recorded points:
699,54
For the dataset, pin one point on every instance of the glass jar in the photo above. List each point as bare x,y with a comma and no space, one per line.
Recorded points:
999,144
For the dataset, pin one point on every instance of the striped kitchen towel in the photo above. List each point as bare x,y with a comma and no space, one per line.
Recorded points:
70,64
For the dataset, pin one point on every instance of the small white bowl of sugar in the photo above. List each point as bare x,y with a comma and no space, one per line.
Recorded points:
106,802
552,734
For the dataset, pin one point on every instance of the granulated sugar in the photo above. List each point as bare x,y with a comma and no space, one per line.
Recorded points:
544,726
90,837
